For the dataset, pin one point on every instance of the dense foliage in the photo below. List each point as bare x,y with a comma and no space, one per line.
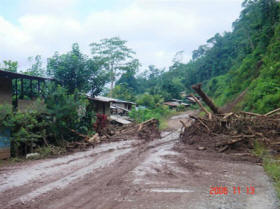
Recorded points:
75,71
49,122
229,63
113,56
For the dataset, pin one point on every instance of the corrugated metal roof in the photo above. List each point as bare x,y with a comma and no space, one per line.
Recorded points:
108,99
103,99
12,75
119,119
173,104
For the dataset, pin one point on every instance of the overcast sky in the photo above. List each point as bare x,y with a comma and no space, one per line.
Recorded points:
155,29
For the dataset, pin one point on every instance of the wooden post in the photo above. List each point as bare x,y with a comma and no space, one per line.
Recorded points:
16,93
38,88
31,92
205,98
21,91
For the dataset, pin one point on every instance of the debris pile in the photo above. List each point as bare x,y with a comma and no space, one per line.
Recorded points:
147,131
233,132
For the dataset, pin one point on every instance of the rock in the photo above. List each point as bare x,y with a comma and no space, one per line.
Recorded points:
33,155
201,148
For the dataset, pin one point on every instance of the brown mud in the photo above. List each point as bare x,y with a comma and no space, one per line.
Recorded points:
162,173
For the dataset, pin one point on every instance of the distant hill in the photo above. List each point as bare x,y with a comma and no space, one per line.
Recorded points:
247,57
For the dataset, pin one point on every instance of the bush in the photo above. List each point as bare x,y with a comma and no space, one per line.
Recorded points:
150,101
53,123
68,113
6,112
46,151
180,108
161,113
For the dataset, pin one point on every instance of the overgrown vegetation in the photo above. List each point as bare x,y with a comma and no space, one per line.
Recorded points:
151,107
49,123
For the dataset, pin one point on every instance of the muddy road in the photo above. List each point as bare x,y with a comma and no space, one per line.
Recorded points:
161,174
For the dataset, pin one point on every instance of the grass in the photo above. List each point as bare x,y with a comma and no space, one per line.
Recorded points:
271,164
163,124
163,121
47,151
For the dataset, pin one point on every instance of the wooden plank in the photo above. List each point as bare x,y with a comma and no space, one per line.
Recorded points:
5,153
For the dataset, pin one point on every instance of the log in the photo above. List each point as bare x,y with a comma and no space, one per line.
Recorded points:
228,115
224,148
183,123
206,99
199,120
233,141
251,114
272,112
201,106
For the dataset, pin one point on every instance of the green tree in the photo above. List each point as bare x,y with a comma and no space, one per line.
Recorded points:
128,78
113,56
75,70
10,66
123,92
36,68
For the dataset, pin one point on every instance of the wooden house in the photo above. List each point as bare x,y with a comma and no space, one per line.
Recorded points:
14,89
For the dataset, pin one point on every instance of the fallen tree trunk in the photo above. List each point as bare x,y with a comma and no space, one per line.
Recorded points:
206,99
201,106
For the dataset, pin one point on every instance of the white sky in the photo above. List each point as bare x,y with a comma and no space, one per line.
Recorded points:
155,29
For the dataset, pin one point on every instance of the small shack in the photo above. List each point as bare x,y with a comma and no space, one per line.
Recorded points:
101,104
20,91
15,88
108,106
174,103
123,104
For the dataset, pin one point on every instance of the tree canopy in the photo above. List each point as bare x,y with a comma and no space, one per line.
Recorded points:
113,56
75,70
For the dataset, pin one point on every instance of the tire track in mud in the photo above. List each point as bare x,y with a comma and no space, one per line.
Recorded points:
102,188
23,182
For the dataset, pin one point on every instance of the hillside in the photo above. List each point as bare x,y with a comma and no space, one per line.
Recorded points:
247,57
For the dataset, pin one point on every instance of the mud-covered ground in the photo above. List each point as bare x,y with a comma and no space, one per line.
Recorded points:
162,173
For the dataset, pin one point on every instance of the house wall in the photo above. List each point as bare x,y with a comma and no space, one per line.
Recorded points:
123,105
119,104
4,143
102,107
5,91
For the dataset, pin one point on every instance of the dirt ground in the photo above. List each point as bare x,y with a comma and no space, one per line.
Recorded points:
162,173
